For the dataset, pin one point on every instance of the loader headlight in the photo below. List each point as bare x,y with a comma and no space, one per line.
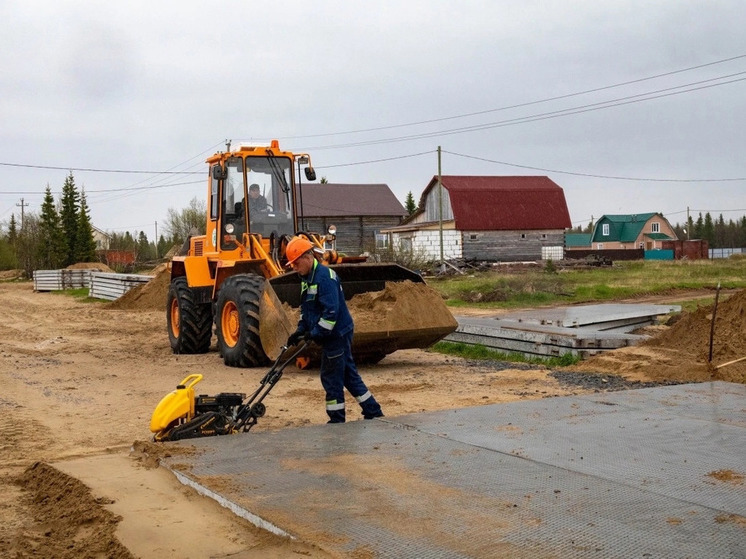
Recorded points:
229,228
332,230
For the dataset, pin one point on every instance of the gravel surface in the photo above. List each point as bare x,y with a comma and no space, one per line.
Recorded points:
602,382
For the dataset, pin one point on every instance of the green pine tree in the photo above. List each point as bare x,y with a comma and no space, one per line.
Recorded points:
162,247
143,248
708,231
409,204
69,219
698,229
12,231
52,247
85,246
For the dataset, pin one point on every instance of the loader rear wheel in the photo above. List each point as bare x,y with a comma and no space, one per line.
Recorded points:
189,322
237,321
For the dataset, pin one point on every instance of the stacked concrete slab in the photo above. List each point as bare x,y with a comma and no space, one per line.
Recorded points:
580,330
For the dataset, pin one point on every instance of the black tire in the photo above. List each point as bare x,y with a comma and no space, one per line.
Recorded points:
189,322
237,321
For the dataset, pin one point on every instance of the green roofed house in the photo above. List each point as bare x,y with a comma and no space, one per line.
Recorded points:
635,231
577,241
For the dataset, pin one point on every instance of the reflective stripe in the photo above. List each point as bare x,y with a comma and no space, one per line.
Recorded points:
332,274
332,405
313,289
326,324
364,397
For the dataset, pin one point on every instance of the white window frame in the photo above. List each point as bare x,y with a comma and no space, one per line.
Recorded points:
605,229
655,227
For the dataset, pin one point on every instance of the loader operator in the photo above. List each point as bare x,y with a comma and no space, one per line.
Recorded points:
326,320
257,202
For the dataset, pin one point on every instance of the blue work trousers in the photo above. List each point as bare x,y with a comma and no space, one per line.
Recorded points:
338,371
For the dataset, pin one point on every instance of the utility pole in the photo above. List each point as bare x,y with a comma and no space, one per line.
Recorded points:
156,240
440,214
22,205
688,227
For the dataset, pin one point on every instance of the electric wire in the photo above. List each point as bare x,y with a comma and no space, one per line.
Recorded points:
595,176
621,101
519,105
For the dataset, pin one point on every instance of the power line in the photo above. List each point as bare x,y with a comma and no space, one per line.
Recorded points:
123,171
611,177
519,105
376,160
90,170
627,100
102,190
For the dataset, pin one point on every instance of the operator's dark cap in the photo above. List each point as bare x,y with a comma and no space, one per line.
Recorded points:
254,187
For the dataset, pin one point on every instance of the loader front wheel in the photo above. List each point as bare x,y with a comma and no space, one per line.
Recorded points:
189,322
237,321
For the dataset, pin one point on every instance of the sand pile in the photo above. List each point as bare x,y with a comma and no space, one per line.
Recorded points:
98,266
681,352
70,521
7,275
401,305
148,296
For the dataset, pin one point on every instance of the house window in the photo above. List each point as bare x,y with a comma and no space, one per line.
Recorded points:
382,240
605,229
473,237
656,227
523,235
600,246
543,235
405,244
642,245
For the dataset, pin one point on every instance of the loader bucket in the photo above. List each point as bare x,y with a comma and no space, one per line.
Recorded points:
392,308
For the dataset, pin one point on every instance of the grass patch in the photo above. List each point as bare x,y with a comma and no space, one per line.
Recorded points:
78,293
482,353
624,280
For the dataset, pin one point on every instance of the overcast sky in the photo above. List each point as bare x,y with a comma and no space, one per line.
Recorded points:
370,90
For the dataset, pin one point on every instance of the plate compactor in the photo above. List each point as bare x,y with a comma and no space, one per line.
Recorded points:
182,415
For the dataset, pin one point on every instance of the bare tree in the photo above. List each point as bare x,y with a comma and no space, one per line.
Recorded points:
180,224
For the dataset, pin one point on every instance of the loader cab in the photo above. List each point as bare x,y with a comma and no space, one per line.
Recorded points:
242,211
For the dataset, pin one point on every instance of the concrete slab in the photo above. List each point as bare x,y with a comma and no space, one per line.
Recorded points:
595,316
644,473
582,330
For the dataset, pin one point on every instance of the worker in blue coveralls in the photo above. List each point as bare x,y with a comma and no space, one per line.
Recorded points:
326,320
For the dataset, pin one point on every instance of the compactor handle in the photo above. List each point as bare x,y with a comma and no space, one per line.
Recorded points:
189,381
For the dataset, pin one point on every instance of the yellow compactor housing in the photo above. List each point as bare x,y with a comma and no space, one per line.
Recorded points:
175,406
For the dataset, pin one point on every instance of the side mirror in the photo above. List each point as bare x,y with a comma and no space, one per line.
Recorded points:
218,173
310,174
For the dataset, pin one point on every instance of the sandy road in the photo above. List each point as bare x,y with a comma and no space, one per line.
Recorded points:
80,380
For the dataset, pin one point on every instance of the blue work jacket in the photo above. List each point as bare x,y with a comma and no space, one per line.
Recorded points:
323,309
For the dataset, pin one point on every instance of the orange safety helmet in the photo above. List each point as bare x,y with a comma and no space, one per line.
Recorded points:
296,248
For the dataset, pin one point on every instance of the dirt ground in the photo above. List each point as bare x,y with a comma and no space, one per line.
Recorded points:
80,381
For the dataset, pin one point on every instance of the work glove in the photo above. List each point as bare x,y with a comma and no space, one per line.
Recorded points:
296,337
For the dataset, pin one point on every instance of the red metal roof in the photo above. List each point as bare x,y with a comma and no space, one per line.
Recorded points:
330,200
488,203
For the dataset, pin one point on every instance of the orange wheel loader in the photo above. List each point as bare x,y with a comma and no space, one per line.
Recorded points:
234,279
